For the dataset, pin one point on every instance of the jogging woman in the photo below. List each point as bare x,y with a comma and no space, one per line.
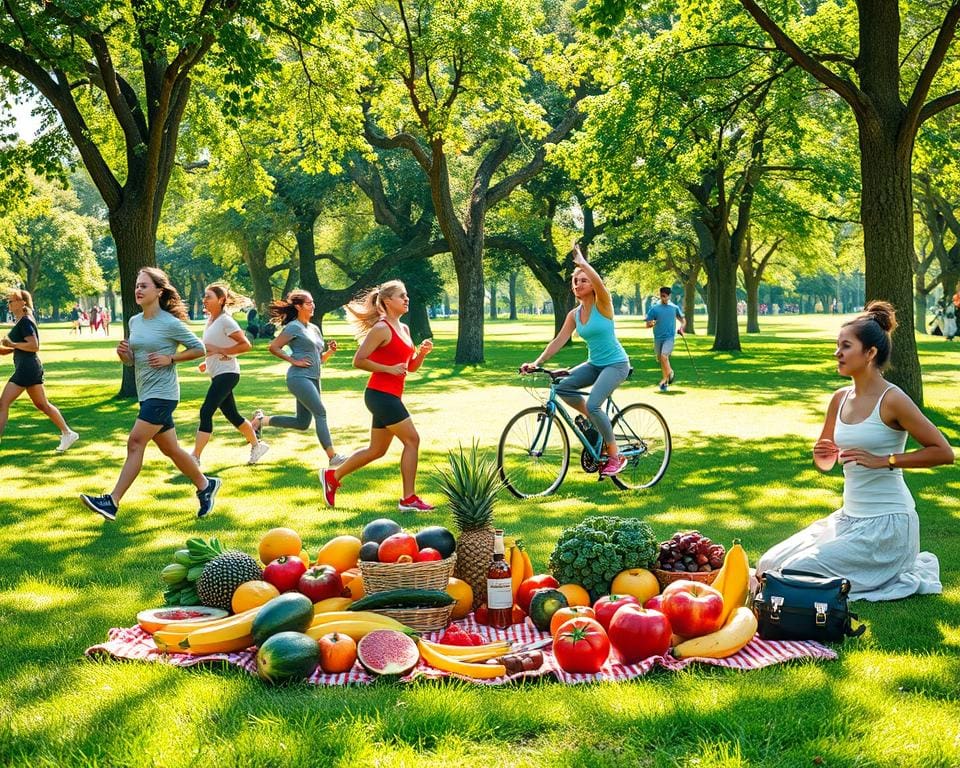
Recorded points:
607,363
23,342
155,334
308,351
224,340
387,351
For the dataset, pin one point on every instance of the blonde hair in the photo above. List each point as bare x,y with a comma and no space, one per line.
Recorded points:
229,301
24,296
367,310
170,300
286,310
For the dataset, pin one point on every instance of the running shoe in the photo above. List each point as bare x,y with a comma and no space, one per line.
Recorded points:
208,496
257,452
673,375
67,439
336,460
663,387
330,485
613,466
414,504
102,505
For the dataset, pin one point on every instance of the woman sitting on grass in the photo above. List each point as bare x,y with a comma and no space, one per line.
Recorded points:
874,538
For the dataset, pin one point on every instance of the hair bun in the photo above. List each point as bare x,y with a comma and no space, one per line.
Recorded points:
883,313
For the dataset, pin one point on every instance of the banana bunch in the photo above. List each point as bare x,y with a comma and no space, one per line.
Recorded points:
232,633
179,577
465,660
356,624
520,566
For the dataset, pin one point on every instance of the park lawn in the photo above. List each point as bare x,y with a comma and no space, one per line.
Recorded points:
740,468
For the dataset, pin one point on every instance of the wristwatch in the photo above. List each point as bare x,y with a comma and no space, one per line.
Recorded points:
891,461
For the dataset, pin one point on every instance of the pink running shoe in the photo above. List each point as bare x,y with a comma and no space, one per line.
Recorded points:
414,504
330,485
614,466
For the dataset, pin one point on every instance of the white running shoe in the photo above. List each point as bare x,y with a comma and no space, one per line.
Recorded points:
257,452
336,460
66,440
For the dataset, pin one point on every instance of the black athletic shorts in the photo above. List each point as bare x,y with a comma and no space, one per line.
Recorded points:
387,409
157,411
27,373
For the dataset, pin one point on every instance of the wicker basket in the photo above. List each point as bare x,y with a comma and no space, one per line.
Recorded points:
432,574
668,577
420,619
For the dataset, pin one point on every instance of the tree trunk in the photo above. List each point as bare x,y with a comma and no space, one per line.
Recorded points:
136,241
919,307
493,300
468,262
727,334
886,213
418,320
562,298
307,251
513,294
752,285
255,257
690,302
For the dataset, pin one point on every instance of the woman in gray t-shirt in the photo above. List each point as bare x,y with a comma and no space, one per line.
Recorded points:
308,352
153,350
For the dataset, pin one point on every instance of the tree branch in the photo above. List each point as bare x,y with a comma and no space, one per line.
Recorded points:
915,106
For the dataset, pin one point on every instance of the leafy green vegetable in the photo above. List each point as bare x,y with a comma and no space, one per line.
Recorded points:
595,550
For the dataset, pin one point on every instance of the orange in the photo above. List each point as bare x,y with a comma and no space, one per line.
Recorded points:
277,542
463,594
342,552
575,594
252,594
638,582
353,583
570,612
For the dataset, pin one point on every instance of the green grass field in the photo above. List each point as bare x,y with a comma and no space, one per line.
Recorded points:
741,468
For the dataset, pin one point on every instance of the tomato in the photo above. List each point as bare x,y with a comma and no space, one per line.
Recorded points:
608,605
529,586
481,614
581,646
565,614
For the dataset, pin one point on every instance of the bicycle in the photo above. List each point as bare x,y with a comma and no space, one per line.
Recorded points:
534,451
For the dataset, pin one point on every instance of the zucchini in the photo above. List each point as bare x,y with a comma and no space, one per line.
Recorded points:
403,598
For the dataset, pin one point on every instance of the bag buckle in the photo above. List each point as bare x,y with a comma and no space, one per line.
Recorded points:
821,613
777,602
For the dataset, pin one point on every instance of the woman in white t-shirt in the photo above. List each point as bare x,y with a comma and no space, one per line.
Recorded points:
223,340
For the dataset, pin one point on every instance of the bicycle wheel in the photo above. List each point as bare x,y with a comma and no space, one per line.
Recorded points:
643,437
534,453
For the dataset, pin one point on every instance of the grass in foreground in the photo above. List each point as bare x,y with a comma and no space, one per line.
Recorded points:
740,468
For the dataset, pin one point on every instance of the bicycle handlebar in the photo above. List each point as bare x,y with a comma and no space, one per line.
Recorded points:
554,374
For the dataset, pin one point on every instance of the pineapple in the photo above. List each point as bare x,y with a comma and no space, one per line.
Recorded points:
471,486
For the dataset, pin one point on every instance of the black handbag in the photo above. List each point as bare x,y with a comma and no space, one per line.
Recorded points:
795,605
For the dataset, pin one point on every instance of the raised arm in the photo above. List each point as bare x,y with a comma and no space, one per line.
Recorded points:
604,300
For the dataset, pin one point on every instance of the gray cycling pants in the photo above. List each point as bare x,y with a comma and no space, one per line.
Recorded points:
605,379
309,407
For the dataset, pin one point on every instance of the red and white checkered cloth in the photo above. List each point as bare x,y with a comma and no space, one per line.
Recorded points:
134,643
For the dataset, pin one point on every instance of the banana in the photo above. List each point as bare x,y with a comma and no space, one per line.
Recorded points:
468,669
734,579
527,565
186,627
470,652
227,646
240,625
369,616
726,641
517,569
356,629
331,604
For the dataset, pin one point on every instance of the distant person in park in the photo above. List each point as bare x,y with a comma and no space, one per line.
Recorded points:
662,317
308,351
224,340
874,538
94,320
956,302
23,342
155,335
75,319
84,320
387,351
607,364
105,320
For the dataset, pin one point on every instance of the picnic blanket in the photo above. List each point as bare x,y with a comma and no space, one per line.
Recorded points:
134,643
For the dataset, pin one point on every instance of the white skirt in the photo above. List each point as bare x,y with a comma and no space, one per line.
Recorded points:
879,555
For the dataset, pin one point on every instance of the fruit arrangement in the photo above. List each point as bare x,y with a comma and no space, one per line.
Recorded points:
385,541
180,577
690,552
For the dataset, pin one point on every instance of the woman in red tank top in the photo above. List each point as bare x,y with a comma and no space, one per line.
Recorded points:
388,352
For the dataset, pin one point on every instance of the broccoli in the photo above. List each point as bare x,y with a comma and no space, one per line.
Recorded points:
595,550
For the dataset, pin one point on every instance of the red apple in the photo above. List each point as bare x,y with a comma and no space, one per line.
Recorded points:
694,609
285,572
320,582
655,603
636,633
427,554
392,547
608,605
529,586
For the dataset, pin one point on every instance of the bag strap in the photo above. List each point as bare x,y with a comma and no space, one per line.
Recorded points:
849,631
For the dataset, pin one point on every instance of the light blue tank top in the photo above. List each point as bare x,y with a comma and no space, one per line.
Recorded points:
603,348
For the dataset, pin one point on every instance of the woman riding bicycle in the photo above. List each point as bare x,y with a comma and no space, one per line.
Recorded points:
607,363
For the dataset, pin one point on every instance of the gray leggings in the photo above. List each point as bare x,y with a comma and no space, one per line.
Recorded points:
307,392
605,379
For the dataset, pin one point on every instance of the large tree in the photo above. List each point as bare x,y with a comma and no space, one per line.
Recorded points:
118,74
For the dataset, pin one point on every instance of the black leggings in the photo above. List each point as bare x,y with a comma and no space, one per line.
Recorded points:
220,395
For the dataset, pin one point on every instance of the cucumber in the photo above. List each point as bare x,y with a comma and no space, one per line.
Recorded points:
403,598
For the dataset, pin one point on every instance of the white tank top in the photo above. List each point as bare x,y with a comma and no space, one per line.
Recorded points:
872,492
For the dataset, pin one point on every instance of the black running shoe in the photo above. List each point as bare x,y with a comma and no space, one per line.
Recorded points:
102,505
208,496
673,375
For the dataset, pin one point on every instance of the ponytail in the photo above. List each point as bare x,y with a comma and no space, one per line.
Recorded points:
170,300
367,310
286,310
874,327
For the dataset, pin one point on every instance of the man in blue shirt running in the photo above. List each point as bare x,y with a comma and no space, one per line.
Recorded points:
663,318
